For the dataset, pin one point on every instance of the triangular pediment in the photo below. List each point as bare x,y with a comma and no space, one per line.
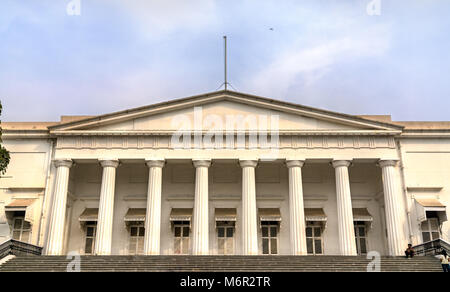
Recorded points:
218,111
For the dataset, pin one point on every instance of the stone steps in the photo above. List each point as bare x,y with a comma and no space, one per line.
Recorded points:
219,263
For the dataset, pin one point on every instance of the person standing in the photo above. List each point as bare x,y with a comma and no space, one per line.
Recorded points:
444,261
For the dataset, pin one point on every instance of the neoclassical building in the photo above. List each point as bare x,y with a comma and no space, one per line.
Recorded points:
225,173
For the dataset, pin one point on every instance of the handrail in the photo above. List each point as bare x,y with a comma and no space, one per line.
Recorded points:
16,247
432,247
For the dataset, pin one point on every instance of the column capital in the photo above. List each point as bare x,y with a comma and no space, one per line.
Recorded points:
201,162
384,163
155,162
63,162
109,162
295,163
248,163
338,163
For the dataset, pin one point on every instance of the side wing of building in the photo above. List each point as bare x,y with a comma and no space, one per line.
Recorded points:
24,188
425,154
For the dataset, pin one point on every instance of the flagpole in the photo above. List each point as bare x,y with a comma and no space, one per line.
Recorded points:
225,63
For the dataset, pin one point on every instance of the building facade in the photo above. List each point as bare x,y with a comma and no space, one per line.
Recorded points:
225,173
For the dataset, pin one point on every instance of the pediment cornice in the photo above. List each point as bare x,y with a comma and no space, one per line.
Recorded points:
86,125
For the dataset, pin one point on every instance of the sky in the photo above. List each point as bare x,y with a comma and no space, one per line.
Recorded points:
353,56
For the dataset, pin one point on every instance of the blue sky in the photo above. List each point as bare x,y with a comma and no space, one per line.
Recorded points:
123,54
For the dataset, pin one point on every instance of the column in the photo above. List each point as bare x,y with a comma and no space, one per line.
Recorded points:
347,244
55,238
103,239
296,208
200,232
153,213
249,219
392,207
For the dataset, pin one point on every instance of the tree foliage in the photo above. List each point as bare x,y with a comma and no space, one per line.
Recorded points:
4,154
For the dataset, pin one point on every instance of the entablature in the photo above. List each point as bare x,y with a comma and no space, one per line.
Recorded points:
226,142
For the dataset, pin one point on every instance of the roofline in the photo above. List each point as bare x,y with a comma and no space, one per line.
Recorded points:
100,117
30,133
321,110
234,132
229,92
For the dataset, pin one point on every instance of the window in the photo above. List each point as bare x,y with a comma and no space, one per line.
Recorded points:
225,237
181,232
361,237
269,232
314,238
137,232
21,230
91,231
430,229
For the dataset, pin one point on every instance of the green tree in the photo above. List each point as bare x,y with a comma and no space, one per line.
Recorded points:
4,154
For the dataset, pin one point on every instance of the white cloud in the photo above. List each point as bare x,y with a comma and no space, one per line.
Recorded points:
312,63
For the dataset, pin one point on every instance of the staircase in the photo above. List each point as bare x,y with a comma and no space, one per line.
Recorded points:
219,264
